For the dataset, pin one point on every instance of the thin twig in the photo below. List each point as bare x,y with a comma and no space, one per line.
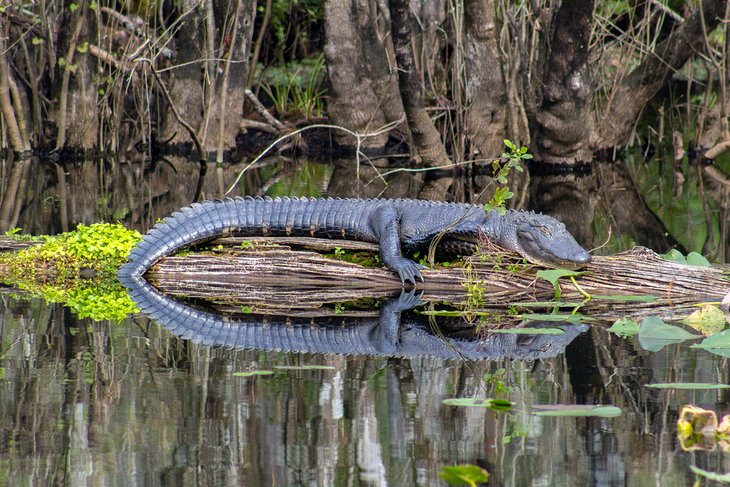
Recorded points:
261,110
358,138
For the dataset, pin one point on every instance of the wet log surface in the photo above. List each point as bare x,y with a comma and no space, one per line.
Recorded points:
280,279
12,245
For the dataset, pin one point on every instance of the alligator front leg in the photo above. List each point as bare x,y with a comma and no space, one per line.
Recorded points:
385,223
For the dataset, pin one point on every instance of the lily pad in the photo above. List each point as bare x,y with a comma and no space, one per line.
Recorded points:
708,320
529,331
624,327
655,334
253,373
688,385
495,404
576,410
471,475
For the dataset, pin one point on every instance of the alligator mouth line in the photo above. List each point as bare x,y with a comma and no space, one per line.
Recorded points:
557,262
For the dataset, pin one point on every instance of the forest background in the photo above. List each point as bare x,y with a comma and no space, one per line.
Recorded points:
445,81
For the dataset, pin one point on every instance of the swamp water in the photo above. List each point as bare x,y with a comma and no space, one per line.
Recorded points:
128,403
98,403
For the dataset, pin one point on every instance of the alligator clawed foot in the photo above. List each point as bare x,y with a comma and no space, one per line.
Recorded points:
407,300
408,271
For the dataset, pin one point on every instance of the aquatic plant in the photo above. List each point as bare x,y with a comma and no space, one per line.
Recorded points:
76,268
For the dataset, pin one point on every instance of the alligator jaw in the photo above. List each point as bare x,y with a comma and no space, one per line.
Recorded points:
541,239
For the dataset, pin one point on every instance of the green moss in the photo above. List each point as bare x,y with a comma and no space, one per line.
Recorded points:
78,269
360,257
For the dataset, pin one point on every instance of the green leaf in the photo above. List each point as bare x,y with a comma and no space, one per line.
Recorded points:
464,475
73,7
553,275
717,341
252,373
624,327
653,327
717,477
480,402
640,298
654,334
576,410
575,318
693,258
547,304
708,320
688,385
529,331
511,145
674,255
305,367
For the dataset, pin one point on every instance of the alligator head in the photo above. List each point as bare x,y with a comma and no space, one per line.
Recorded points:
541,239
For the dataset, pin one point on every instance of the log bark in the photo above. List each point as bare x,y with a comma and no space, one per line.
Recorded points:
283,279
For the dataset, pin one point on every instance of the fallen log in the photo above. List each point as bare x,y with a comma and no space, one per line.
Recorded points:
280,279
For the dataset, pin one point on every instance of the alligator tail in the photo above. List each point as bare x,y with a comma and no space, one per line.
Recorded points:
207,220
194,224
273,334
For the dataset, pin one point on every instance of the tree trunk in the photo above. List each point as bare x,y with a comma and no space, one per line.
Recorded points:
76,117
6,105
207,89
373,26
354,104
614,125
485,84
426,139
234,29
186,85
564,117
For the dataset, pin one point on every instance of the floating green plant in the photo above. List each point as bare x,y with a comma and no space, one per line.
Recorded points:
76,268
576,410
466,474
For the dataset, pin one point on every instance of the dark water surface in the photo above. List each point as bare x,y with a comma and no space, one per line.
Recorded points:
87,403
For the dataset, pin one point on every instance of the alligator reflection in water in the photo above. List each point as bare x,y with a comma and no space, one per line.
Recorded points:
394,332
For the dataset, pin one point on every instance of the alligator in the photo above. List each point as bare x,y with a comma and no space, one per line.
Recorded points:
395,225
392,334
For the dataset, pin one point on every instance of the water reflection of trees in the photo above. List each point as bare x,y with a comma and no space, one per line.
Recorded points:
128,402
